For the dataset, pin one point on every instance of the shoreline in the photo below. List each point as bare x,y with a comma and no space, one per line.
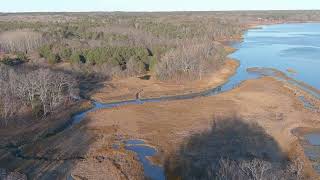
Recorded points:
299,88
262,100
161,88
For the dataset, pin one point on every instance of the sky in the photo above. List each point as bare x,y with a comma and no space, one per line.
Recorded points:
153,5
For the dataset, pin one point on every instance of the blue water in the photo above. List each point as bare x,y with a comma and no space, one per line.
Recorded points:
312,149
284,46
151,171
313,138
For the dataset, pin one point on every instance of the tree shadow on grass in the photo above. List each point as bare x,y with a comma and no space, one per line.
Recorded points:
233,139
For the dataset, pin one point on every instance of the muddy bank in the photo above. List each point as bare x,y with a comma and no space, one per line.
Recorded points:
307,89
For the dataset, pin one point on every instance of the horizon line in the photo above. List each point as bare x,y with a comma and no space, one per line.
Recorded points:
151,11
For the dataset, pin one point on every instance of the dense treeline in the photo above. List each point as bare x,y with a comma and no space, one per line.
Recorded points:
170,45
126,45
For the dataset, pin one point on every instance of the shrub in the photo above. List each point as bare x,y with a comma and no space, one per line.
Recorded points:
135,67
45,51
152,63
77,58
53,58
22,56
65,53
14,60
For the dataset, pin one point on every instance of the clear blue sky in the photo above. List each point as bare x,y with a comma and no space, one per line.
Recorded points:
153,5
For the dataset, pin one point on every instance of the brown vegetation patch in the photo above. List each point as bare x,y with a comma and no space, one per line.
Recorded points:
125,89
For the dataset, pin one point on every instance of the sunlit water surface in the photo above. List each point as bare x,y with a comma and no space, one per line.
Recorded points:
293,47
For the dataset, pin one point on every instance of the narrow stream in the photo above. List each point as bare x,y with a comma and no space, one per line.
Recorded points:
144,151
269,47
311,145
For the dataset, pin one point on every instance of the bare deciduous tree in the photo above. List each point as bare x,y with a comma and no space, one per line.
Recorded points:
190,60
255,169
42,89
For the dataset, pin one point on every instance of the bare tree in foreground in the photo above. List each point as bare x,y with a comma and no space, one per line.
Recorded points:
257,169
43,90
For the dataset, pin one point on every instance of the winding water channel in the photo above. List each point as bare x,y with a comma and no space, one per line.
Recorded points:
294,49
291,48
